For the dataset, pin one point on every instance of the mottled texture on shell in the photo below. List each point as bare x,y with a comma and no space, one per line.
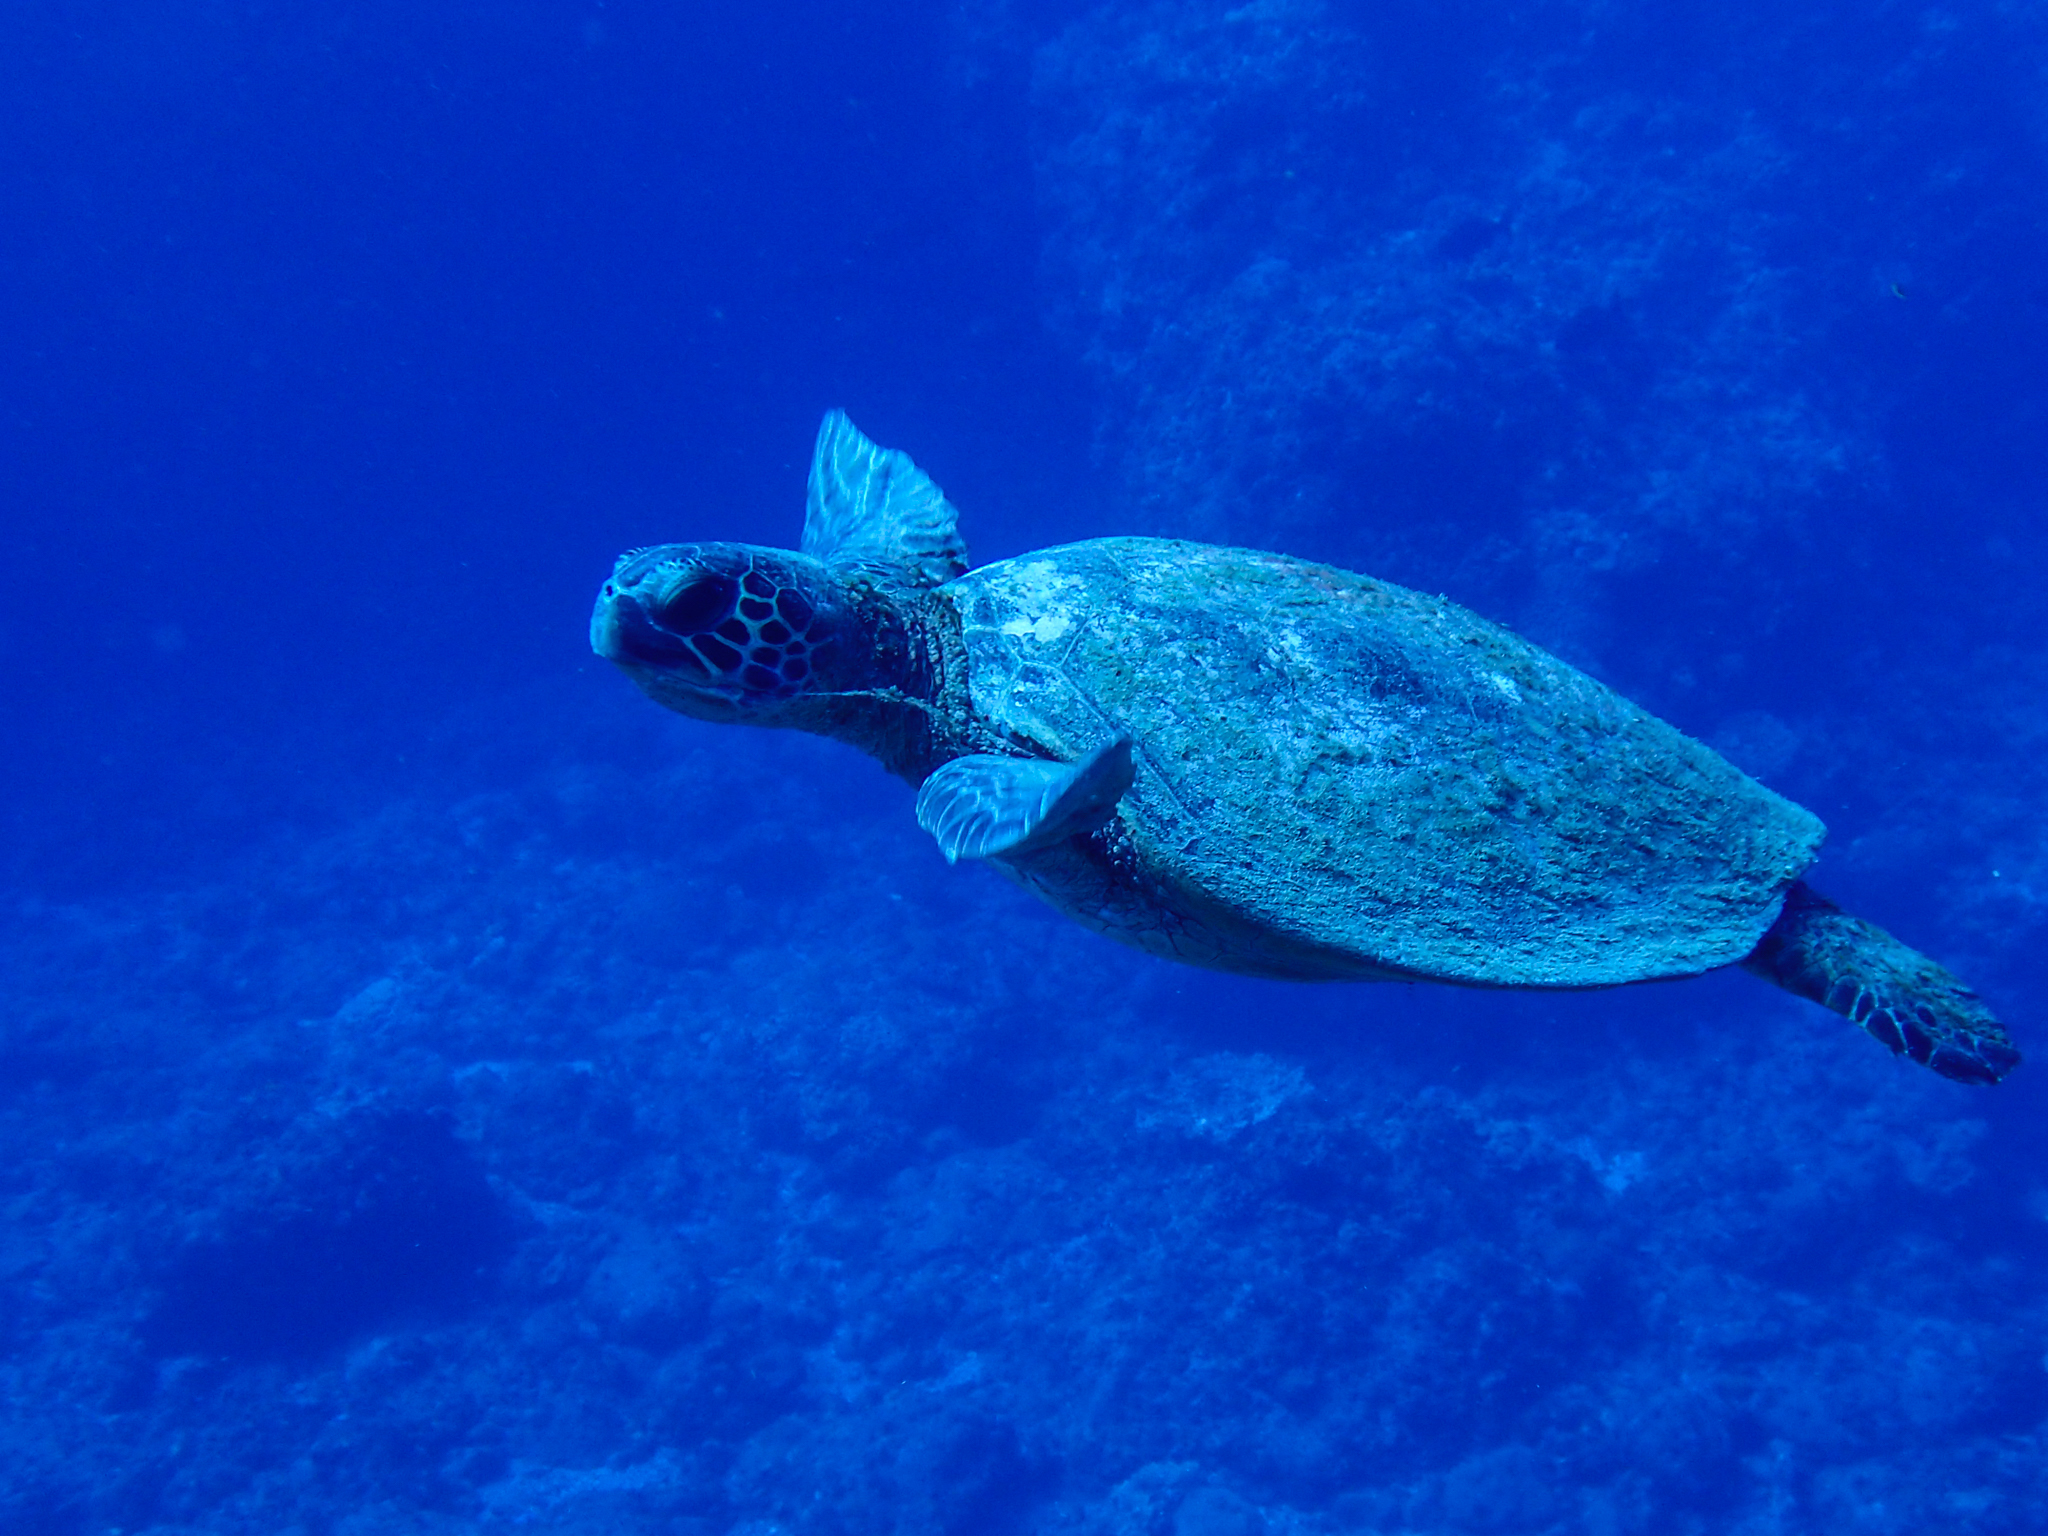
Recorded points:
1351,765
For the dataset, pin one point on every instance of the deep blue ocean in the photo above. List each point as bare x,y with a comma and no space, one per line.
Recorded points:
442,1092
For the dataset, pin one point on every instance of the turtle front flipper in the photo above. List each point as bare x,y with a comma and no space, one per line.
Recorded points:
981,806
1896,994
869,506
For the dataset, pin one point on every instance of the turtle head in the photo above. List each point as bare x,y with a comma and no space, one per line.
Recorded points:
837,639
728,632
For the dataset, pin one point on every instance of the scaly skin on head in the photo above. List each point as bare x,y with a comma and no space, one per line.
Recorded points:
741,634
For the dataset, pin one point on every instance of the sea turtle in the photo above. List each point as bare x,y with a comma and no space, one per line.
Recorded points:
1260,764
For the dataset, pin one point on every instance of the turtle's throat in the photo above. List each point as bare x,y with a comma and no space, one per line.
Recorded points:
877,688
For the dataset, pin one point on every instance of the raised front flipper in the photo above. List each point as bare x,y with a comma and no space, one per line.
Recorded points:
870,506
1896,994
981,806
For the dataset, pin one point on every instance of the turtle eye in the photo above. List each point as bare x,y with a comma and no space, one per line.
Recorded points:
699,605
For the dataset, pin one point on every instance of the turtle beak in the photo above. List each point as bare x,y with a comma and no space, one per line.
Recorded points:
625,630
718,631
622,629
622,632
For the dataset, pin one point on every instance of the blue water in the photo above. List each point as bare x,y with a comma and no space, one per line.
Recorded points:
442,1092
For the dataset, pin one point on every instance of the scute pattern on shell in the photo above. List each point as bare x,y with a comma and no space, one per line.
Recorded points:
1350,765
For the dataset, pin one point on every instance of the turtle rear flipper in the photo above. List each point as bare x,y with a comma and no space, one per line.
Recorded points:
1896,994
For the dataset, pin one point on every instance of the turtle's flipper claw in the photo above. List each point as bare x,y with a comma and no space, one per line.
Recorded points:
1979,1059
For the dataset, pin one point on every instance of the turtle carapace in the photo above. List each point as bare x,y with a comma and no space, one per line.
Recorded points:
1264,765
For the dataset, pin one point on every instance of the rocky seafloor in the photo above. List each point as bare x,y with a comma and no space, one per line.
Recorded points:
667,1140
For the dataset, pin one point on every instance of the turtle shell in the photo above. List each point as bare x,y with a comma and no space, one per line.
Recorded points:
1348,765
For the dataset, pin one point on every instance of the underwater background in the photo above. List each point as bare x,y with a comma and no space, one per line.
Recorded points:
442,1092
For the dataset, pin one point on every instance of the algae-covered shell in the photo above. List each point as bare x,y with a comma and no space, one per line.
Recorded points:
1357,768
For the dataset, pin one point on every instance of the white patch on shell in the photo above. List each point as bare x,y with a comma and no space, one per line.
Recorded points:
1046,628
1298,651
1038,587
1506,685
